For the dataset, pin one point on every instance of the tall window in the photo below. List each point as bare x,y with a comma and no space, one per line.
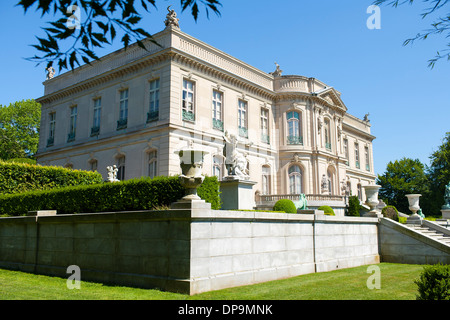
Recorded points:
359,192
121,168
265,125
52,126
153,114
330,181
152,163
357,155
95,130
123,110
188,101
327,134
295,180
242,118
366,153
217,110
346,150
217,167
294,128
94,164
265,180
73,123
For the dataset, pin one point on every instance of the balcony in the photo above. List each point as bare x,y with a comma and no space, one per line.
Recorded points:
217,124
328,146
95,131
367,167
71,137
357,165
243,132
152,116
265,138
188,116
294,140
122,124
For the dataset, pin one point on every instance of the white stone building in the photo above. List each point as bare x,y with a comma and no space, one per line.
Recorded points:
135,108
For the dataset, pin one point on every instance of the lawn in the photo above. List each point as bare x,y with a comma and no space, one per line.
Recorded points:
397,283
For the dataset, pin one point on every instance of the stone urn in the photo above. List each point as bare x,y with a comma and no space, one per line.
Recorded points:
191,162
372,199
413,200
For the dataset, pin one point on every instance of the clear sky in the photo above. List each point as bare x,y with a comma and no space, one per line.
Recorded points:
409,104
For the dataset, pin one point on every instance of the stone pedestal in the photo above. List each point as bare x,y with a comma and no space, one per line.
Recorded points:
445,214
237,194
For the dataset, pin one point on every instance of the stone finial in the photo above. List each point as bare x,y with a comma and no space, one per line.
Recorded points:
171,19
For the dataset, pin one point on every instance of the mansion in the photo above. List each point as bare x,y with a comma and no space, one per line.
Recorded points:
135,108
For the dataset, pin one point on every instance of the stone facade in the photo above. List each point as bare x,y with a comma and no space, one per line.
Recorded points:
136,108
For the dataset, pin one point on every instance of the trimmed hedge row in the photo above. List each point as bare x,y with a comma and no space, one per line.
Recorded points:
131,195
23,177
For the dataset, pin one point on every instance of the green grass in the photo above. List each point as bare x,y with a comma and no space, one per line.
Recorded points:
397,283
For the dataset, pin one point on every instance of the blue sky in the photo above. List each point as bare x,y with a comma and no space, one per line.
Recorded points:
409,104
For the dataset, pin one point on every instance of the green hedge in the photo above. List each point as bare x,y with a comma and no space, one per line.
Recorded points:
285,205
434,283
327,210
22,177
131,195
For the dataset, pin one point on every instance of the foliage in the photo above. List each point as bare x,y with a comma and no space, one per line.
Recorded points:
441,26
439,174
327,210
22,177
390,212
97,23
131,195
285,205
19,129
403,177
209,191
434,283
353,206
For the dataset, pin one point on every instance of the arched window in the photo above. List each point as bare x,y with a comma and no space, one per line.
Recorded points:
330,174
265,180
294,128
121,168
295,179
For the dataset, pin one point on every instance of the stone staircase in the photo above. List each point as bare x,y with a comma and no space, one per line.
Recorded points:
439,230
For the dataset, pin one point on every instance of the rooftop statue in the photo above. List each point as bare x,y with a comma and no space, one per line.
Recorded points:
171,19
50,72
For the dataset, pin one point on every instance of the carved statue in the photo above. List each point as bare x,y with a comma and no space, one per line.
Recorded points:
447,197
324,184
366,117
112,173
171,19
278,72
235,161
50,72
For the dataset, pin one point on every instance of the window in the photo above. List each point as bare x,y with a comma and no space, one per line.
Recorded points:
366,152
152,163
359,192
188,101
51,131
357,155
73,124
294,128
295,180
330,175
217,110
265,125
153,114
93,164
265,180
242,118
217,167
95,130
121,168
123,110
346,150
327,134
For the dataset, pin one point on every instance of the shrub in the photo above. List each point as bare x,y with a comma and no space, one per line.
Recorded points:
327,210
209,191
390,212
434,283
22,177
131,195
285,205
353,206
